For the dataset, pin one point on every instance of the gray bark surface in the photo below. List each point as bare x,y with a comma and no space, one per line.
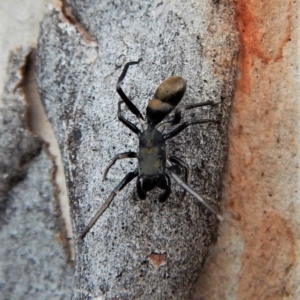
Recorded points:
32,257
137,249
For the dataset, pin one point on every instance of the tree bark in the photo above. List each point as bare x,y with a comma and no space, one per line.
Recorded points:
137,249
32,258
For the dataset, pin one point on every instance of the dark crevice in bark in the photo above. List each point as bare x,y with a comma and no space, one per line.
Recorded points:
22,148
71,18
34,106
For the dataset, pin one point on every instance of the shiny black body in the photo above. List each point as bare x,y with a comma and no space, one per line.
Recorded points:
152,164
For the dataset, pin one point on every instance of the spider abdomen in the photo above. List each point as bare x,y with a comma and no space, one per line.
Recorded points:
166,97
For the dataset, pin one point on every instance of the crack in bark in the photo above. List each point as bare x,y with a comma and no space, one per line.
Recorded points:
35,123
18,149
70,18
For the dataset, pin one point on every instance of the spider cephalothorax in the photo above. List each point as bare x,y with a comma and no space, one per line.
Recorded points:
153,161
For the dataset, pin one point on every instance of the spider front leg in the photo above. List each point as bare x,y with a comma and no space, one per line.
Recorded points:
177,161
127,101
106,204
193,193
123,155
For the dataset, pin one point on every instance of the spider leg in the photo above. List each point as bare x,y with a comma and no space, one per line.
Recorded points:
184,125
183,164
179,112
194,193
127,123
163,196
127,101
123,155
106,204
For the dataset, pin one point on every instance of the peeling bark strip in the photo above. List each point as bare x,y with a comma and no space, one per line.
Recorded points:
138,249
38,124
32,260
18,146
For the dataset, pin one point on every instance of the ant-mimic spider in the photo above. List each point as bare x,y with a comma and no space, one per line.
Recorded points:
153,161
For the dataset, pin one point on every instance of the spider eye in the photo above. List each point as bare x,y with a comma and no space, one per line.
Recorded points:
167,96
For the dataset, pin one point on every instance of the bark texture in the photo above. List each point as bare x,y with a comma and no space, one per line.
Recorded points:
137,249
32,259
257,255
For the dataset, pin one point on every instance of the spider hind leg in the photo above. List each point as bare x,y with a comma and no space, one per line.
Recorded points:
127,101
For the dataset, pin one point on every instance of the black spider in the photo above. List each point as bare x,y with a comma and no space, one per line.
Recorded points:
152,158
